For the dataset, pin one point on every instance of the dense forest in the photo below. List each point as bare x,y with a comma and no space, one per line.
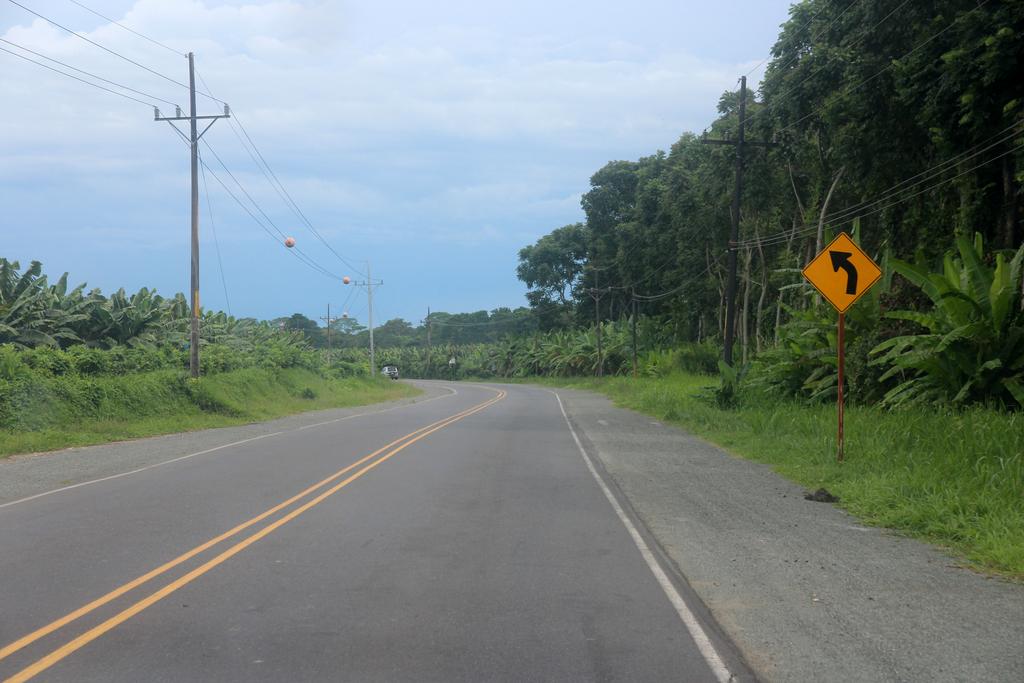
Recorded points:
901,123
898,122
901,118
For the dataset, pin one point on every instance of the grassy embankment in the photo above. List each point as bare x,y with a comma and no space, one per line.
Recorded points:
51,413
952,478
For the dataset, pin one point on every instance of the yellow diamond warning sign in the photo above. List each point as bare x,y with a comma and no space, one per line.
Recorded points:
842,272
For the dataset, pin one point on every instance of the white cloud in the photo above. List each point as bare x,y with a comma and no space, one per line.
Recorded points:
448,123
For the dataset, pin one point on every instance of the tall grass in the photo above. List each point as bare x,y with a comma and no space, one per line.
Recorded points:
955,478
44,413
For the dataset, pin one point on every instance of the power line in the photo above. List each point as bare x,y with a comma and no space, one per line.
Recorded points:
130,30
1012,150
216,242
295,206
348,299
1006,134
81,80
113,52
88,73
485,323
651,274
847,218
282,192
999,138
681,287
297,253
244,191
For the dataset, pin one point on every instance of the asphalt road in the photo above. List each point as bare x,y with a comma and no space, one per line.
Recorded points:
467,537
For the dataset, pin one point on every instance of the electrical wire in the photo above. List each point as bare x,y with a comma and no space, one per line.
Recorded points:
244,191
113,52
681,287
216,241
293,205
301,256
651,274
257,157
310,261
88,73
931,173
443,323
348,299
130,30
879,209
81,80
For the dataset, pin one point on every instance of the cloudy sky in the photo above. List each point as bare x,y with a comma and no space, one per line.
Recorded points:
433,140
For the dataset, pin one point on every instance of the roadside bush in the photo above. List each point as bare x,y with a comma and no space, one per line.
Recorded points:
972,346
698,358
47,360
11,364
90,361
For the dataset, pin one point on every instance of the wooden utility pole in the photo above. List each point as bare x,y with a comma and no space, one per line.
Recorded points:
734,233
329,320
193,140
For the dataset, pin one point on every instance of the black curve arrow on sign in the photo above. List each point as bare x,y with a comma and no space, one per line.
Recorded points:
841,259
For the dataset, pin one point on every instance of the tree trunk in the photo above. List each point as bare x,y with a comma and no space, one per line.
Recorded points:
819,244
745,314
1011,218
764,292
721,294
792,183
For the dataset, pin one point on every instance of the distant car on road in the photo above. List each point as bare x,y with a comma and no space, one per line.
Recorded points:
390,370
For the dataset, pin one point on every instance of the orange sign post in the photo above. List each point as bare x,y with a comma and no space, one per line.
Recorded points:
842,273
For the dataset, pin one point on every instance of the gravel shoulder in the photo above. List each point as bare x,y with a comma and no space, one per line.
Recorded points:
27,475
805,591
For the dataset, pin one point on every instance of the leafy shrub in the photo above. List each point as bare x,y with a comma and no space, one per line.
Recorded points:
11,364
47,360
90,361
700,359
694,358
973,347
727,395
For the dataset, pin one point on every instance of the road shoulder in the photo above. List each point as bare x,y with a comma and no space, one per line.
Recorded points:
22,476
804,590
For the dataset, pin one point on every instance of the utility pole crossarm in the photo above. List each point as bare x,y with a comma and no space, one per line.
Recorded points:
226,115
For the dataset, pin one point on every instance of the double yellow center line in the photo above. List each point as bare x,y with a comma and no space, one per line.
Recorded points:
377,457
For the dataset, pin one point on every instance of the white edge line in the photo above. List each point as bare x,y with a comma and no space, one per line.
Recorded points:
136,471
217,448
697,632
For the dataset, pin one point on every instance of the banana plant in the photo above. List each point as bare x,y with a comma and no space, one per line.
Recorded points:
30,311
973,348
